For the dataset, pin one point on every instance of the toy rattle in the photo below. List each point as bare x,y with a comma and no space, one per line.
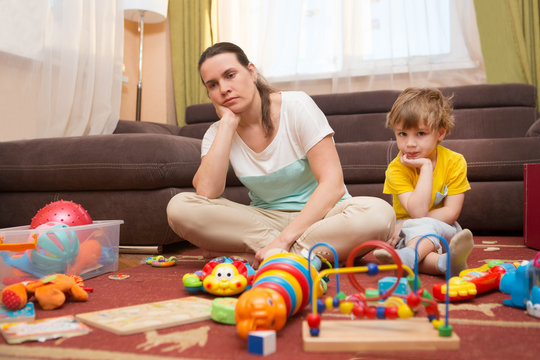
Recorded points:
160,261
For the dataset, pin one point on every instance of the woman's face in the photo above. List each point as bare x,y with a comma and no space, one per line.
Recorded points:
228,82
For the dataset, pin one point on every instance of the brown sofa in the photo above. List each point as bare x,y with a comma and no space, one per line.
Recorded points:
132,174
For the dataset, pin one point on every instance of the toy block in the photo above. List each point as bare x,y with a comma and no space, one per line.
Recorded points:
387,282
262,342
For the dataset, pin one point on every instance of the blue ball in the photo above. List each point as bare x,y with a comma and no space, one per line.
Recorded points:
380,312
321,306
373,269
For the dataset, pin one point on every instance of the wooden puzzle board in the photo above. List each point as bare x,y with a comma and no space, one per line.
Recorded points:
376,335
151,316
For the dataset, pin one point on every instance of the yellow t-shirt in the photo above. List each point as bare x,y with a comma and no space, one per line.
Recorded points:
449,178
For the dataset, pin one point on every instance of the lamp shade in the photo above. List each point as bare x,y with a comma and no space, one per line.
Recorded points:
154,10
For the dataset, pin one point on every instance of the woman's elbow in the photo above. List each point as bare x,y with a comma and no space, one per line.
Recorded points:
208,190
338,190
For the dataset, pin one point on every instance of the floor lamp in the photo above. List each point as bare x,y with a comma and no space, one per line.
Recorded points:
141,11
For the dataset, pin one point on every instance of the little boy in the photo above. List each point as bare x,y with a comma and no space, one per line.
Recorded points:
427,183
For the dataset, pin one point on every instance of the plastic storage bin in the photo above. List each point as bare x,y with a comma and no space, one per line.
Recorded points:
86,250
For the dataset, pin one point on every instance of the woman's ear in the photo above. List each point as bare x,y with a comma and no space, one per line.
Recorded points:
253,71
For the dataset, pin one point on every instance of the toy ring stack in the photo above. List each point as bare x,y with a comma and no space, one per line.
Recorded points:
160,261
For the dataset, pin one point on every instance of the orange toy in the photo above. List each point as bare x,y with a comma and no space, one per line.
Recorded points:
50,291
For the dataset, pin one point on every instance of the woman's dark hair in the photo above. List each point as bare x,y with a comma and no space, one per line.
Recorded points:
262,85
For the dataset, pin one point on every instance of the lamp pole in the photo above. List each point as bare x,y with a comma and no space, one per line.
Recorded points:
139,84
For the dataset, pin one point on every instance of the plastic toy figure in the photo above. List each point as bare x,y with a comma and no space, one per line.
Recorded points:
523,286
472,282
222,276
280,289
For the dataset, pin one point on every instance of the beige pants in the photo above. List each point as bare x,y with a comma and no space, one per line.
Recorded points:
223,227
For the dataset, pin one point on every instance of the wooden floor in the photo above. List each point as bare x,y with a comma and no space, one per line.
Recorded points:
126,261
129,260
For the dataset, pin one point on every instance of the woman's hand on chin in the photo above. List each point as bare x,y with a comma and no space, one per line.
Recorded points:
227,116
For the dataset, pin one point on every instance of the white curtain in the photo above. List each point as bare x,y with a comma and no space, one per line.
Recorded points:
60,67
325,46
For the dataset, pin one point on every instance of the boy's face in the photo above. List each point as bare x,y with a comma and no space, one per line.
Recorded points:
418,142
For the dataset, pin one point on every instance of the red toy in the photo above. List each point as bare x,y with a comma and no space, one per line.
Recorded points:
65,212
471,282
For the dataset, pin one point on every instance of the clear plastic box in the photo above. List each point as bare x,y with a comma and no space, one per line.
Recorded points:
86,250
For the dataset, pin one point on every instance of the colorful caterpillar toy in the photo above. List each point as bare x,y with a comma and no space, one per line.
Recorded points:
280,289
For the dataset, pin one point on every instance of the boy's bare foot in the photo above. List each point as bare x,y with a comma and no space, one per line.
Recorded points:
461,246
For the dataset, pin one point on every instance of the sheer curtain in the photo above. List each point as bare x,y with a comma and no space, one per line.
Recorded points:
60,67
323,46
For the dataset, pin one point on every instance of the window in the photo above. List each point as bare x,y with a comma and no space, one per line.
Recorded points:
321,39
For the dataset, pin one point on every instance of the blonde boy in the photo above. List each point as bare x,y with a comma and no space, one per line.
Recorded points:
427,182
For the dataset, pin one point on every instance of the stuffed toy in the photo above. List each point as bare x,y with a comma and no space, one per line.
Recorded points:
50,291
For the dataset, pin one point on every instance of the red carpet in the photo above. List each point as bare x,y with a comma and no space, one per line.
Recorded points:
487,329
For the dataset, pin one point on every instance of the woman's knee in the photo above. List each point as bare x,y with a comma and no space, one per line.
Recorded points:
181,206
377,218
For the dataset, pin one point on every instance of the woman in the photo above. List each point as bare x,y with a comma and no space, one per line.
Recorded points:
280,146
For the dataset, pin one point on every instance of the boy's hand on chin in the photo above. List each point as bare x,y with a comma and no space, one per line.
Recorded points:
414,163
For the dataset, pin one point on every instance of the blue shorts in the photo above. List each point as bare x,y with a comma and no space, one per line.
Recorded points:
413,228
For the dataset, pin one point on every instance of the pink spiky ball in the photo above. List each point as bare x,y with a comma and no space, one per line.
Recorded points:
65,212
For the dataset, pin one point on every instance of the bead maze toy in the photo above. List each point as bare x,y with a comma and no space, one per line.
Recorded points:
390,325
280,289
222,276
472,282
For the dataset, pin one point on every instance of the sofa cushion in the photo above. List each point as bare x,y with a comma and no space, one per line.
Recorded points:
365,162
101,162
481,111
496,159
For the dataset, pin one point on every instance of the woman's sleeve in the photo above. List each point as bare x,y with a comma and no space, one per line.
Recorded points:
208,138
310,122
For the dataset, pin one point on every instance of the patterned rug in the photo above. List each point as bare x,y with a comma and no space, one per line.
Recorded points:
487,329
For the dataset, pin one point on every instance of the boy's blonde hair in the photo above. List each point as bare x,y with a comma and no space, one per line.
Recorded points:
416,106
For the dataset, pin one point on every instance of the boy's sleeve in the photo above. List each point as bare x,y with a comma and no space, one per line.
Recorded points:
398,179
458,182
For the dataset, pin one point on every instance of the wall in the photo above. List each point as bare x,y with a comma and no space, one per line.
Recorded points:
157,104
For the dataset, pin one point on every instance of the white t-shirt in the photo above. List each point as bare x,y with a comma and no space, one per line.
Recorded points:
279,177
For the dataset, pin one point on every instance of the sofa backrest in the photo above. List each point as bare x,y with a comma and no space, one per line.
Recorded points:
480,111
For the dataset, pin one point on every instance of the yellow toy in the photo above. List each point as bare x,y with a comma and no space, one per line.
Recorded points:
50,291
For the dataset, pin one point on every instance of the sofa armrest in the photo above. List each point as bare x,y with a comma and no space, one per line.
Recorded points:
99,162
145,127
